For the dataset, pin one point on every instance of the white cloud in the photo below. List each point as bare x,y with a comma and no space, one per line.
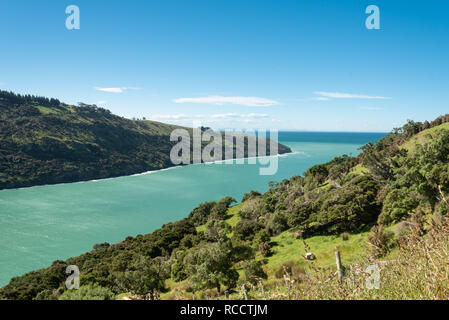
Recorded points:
101,102
221,100
116,90
339,95
320,99
213,117
370,108
236,115
175,117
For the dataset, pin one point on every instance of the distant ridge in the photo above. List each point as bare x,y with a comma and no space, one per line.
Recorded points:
44,141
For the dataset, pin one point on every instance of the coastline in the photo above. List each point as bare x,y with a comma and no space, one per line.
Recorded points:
283,154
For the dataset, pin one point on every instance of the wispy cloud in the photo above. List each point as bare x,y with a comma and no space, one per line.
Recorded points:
116,90
176,117
214,118
339,95
221,100
371,108
237,116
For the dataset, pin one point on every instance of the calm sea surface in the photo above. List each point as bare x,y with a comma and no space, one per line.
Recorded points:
41,224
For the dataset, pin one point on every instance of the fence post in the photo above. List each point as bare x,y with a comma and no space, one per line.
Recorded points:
287,284
244,292
339,267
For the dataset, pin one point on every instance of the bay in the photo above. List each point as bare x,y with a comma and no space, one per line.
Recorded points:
41,224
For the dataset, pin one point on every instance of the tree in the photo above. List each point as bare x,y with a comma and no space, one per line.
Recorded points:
220,209
398,204
425,170
254,272
252,208
200,214
217,230
260,237
145,278
245,230
210,266
278,223
250,195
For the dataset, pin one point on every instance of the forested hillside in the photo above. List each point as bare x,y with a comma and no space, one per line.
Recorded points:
390,201
44,141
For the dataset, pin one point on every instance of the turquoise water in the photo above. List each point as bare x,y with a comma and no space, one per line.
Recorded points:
41,224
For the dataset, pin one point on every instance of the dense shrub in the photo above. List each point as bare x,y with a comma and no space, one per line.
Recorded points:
88,292
380,241
290,269
278,223
252,209
265,249
398,205
250,195
210,266
254,272
345,236
261,236
246,230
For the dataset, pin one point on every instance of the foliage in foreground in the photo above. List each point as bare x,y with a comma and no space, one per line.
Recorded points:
419,271
88,292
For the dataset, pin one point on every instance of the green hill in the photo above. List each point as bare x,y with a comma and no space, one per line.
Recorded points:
44,141
424,136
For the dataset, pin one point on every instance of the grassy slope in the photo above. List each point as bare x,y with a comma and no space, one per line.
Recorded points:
286,247
64,143
423,136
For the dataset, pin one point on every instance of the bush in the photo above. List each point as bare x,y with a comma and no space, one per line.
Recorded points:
200,214
208,266
246,230
265,249
254,272
398,204
261,236
252,209
419,272
217,230
291,269
278,223
380,241
220,209
345,236
88,292
250,195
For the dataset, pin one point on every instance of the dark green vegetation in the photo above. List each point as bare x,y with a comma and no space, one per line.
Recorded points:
219,247
44,141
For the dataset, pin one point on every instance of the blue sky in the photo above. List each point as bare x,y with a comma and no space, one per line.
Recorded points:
298,65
